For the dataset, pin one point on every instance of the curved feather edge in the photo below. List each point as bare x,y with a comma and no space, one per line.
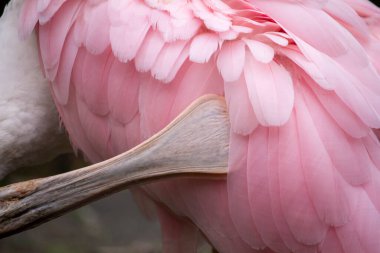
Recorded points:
340,199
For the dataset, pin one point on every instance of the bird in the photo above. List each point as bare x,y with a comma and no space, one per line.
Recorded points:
301,83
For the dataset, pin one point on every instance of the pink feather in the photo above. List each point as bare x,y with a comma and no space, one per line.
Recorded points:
149,51
61,84
242,117
49,9
238,193
97,33
52,37
123,81
231,60
203,47
261,51
270,89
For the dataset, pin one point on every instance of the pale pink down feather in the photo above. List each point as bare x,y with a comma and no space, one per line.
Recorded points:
302,85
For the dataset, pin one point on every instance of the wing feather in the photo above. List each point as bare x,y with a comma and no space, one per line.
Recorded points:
259,190
123,82
92,88
296,204
52,37
97,37
149,51
203,46
325,186
61,84
270,89
238,192
242,117
231,60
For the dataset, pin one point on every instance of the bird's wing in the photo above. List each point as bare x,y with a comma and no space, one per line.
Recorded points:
301,80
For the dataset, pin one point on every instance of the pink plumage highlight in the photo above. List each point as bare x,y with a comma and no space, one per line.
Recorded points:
302,85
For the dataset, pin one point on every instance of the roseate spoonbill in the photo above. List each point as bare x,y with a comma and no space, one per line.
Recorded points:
52,142
302,88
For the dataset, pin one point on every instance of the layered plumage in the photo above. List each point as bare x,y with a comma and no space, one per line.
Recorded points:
301,81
